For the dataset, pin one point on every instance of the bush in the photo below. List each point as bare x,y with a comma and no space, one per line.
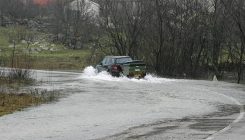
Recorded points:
19,74
15,75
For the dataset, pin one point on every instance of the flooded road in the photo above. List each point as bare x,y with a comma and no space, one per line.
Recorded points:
98,106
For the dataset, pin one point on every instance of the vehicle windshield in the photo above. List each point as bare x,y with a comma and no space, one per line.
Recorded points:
123,60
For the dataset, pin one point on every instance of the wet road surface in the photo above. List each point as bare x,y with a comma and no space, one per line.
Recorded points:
98,106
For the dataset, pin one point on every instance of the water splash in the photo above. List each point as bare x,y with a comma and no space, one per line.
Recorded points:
92,74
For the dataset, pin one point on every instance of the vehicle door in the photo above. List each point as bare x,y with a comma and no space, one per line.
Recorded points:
103,66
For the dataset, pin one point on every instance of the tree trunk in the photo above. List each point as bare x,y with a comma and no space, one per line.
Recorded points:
240,70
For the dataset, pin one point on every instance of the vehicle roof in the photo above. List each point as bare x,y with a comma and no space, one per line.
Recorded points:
118,56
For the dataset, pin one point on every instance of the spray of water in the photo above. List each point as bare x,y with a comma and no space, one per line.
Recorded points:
92,74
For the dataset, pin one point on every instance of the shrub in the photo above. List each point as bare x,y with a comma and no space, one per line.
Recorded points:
19,74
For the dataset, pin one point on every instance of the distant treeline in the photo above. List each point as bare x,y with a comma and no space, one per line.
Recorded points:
190,38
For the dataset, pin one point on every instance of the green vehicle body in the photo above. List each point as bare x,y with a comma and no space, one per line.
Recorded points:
122,66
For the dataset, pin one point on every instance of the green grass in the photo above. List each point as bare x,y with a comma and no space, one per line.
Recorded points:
39,52
63,59
39,56
3,37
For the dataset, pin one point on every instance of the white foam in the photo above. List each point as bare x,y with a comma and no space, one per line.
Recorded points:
94,111
92,74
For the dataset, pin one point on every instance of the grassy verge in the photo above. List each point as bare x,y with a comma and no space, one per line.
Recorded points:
13,98
10,103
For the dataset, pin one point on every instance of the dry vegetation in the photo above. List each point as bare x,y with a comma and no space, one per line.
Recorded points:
12,98
10,103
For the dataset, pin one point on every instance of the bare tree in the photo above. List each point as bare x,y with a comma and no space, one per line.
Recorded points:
73,22
236,10
124,23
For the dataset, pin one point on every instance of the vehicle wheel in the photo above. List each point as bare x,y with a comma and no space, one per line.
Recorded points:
116,74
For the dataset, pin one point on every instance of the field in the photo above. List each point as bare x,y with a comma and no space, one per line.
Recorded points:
39,53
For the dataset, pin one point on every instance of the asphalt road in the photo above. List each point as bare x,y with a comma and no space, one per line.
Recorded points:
98,106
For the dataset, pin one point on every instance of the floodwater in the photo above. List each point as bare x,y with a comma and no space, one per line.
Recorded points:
98,106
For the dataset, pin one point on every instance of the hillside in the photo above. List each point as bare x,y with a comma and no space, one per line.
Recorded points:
39,52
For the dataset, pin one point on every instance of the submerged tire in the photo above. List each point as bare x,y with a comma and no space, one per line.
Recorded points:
115,74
